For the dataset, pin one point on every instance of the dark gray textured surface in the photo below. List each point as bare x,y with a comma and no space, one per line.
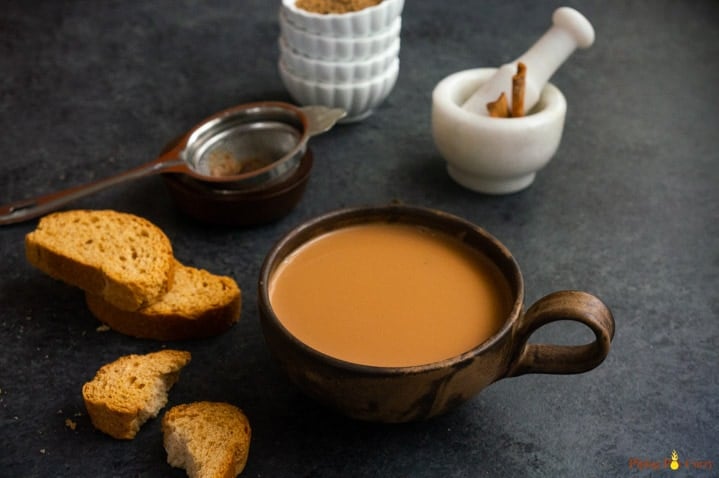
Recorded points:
628,209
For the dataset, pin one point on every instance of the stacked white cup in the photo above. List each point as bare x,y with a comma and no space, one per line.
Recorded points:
341,60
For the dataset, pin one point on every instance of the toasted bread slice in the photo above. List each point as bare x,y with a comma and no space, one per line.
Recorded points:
123,258
124,394
198,305
207,439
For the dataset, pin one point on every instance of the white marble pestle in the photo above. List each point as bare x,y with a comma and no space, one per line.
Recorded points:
570,30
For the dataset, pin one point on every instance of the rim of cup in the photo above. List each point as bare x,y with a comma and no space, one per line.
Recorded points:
338,48
330,71
391,70
362,22
359,99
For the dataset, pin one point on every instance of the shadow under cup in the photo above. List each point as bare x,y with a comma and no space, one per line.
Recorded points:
402,394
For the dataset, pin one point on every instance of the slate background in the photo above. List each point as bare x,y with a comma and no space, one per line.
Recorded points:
628,209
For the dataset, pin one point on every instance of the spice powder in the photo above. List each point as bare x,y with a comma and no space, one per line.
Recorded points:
335,6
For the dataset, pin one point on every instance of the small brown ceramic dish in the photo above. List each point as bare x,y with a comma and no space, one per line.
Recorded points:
401,394
236,207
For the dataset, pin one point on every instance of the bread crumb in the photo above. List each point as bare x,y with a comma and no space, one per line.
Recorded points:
42,450
103,328
70,424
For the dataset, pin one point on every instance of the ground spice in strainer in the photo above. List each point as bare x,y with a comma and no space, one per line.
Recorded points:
335,6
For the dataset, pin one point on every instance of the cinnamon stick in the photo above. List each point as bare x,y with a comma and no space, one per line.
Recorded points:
499,108
518,86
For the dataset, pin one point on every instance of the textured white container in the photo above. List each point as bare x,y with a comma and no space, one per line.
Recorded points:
331,48
325,71
364,22
358,99
494,155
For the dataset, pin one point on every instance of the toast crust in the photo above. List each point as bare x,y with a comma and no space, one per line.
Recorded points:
198,305
207,439
123,258
124,394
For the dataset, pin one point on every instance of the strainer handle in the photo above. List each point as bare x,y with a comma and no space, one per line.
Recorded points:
26,209
321,118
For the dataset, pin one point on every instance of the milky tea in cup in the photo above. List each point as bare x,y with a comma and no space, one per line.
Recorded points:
389,295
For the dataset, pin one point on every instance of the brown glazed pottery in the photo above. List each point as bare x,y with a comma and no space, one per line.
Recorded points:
231,207
401,394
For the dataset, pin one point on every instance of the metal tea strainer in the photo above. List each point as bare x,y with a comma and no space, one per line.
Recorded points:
241,148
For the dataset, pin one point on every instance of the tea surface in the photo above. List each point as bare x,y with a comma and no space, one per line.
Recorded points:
389,295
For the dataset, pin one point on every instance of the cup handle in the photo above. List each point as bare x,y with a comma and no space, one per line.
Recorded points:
562,359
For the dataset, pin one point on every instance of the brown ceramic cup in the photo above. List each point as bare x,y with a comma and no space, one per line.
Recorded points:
401,394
